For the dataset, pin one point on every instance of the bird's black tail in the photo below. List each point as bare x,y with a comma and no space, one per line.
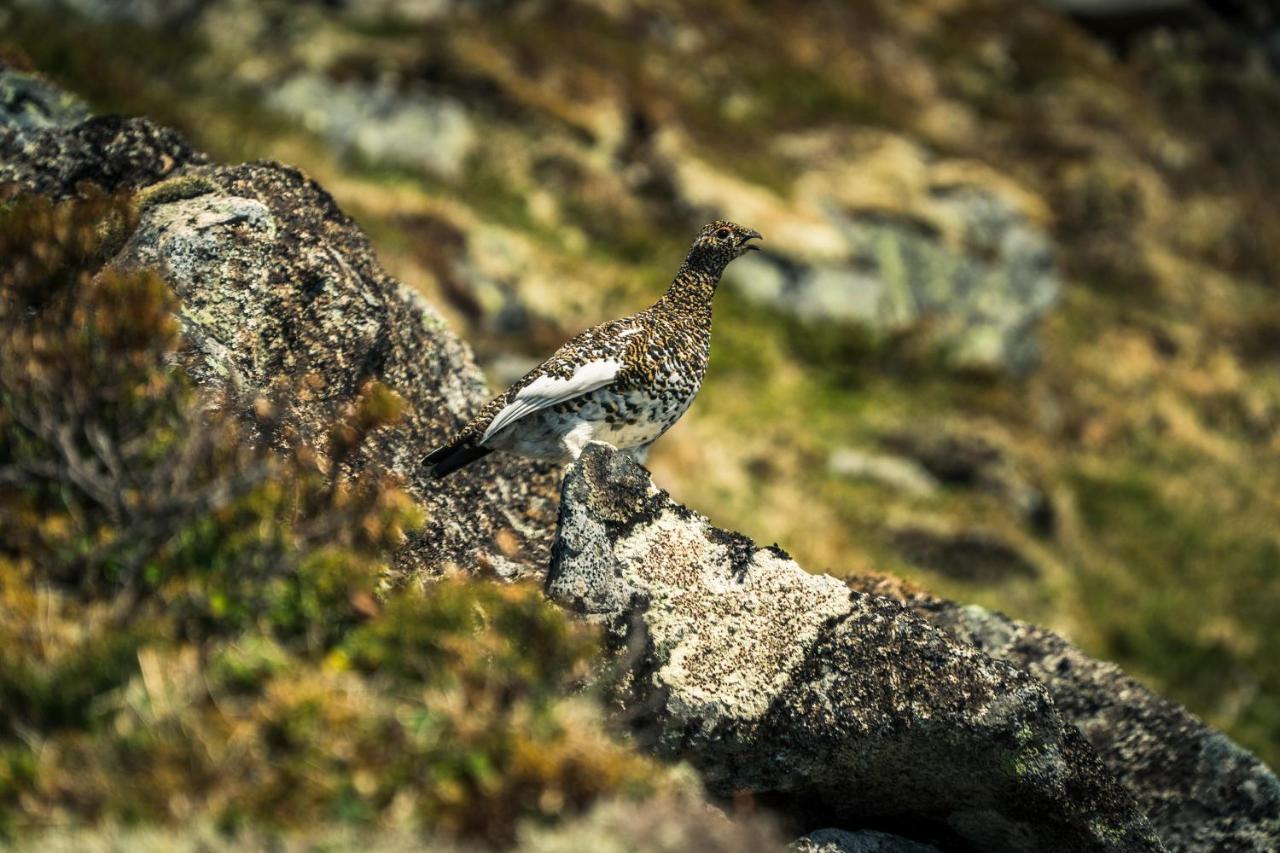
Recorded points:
450,458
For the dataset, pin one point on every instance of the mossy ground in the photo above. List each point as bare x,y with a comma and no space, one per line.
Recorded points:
1153,422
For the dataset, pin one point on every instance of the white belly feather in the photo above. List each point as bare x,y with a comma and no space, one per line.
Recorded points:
559,436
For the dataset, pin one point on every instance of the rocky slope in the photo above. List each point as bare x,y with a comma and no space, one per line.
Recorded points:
1020,277
846,708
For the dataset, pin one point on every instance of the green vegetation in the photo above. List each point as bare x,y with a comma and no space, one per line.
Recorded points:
191,622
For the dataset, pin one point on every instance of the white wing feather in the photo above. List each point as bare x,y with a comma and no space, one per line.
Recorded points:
547,391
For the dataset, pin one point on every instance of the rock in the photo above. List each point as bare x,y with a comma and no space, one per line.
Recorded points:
112,152
837,706
980,295
28,102
865,841
282,296
378,123
897,473
278,285
1200,790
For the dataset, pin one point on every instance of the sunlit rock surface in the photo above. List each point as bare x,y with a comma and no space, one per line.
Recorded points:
845,706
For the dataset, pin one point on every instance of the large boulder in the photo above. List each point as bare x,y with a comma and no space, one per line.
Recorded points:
882,704
282,296
835,705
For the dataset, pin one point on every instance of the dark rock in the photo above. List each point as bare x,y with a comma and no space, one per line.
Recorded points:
837,708
28,103
1199,789
112,152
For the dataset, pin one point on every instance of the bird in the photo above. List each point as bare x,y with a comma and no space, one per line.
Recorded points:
624,382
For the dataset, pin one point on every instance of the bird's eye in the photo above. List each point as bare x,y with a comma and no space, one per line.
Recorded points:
722,234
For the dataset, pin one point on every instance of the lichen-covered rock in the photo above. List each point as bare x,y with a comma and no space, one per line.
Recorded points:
111,152
1199,789
412,129
29,102
282,297
837,706
982,297
914,244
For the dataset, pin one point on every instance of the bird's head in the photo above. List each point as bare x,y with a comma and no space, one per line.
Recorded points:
720,242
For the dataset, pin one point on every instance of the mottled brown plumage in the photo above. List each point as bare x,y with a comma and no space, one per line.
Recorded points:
624,382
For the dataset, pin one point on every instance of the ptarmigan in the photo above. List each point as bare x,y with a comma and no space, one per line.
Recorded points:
624,382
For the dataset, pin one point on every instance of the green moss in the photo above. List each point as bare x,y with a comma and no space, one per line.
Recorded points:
174,189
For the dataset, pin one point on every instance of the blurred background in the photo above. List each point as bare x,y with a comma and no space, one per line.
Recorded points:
1015,334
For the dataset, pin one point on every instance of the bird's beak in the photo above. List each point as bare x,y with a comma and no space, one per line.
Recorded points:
751,247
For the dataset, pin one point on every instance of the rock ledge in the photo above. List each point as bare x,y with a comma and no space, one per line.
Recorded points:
856,706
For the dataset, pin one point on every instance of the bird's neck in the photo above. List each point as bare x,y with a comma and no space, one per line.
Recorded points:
691,292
